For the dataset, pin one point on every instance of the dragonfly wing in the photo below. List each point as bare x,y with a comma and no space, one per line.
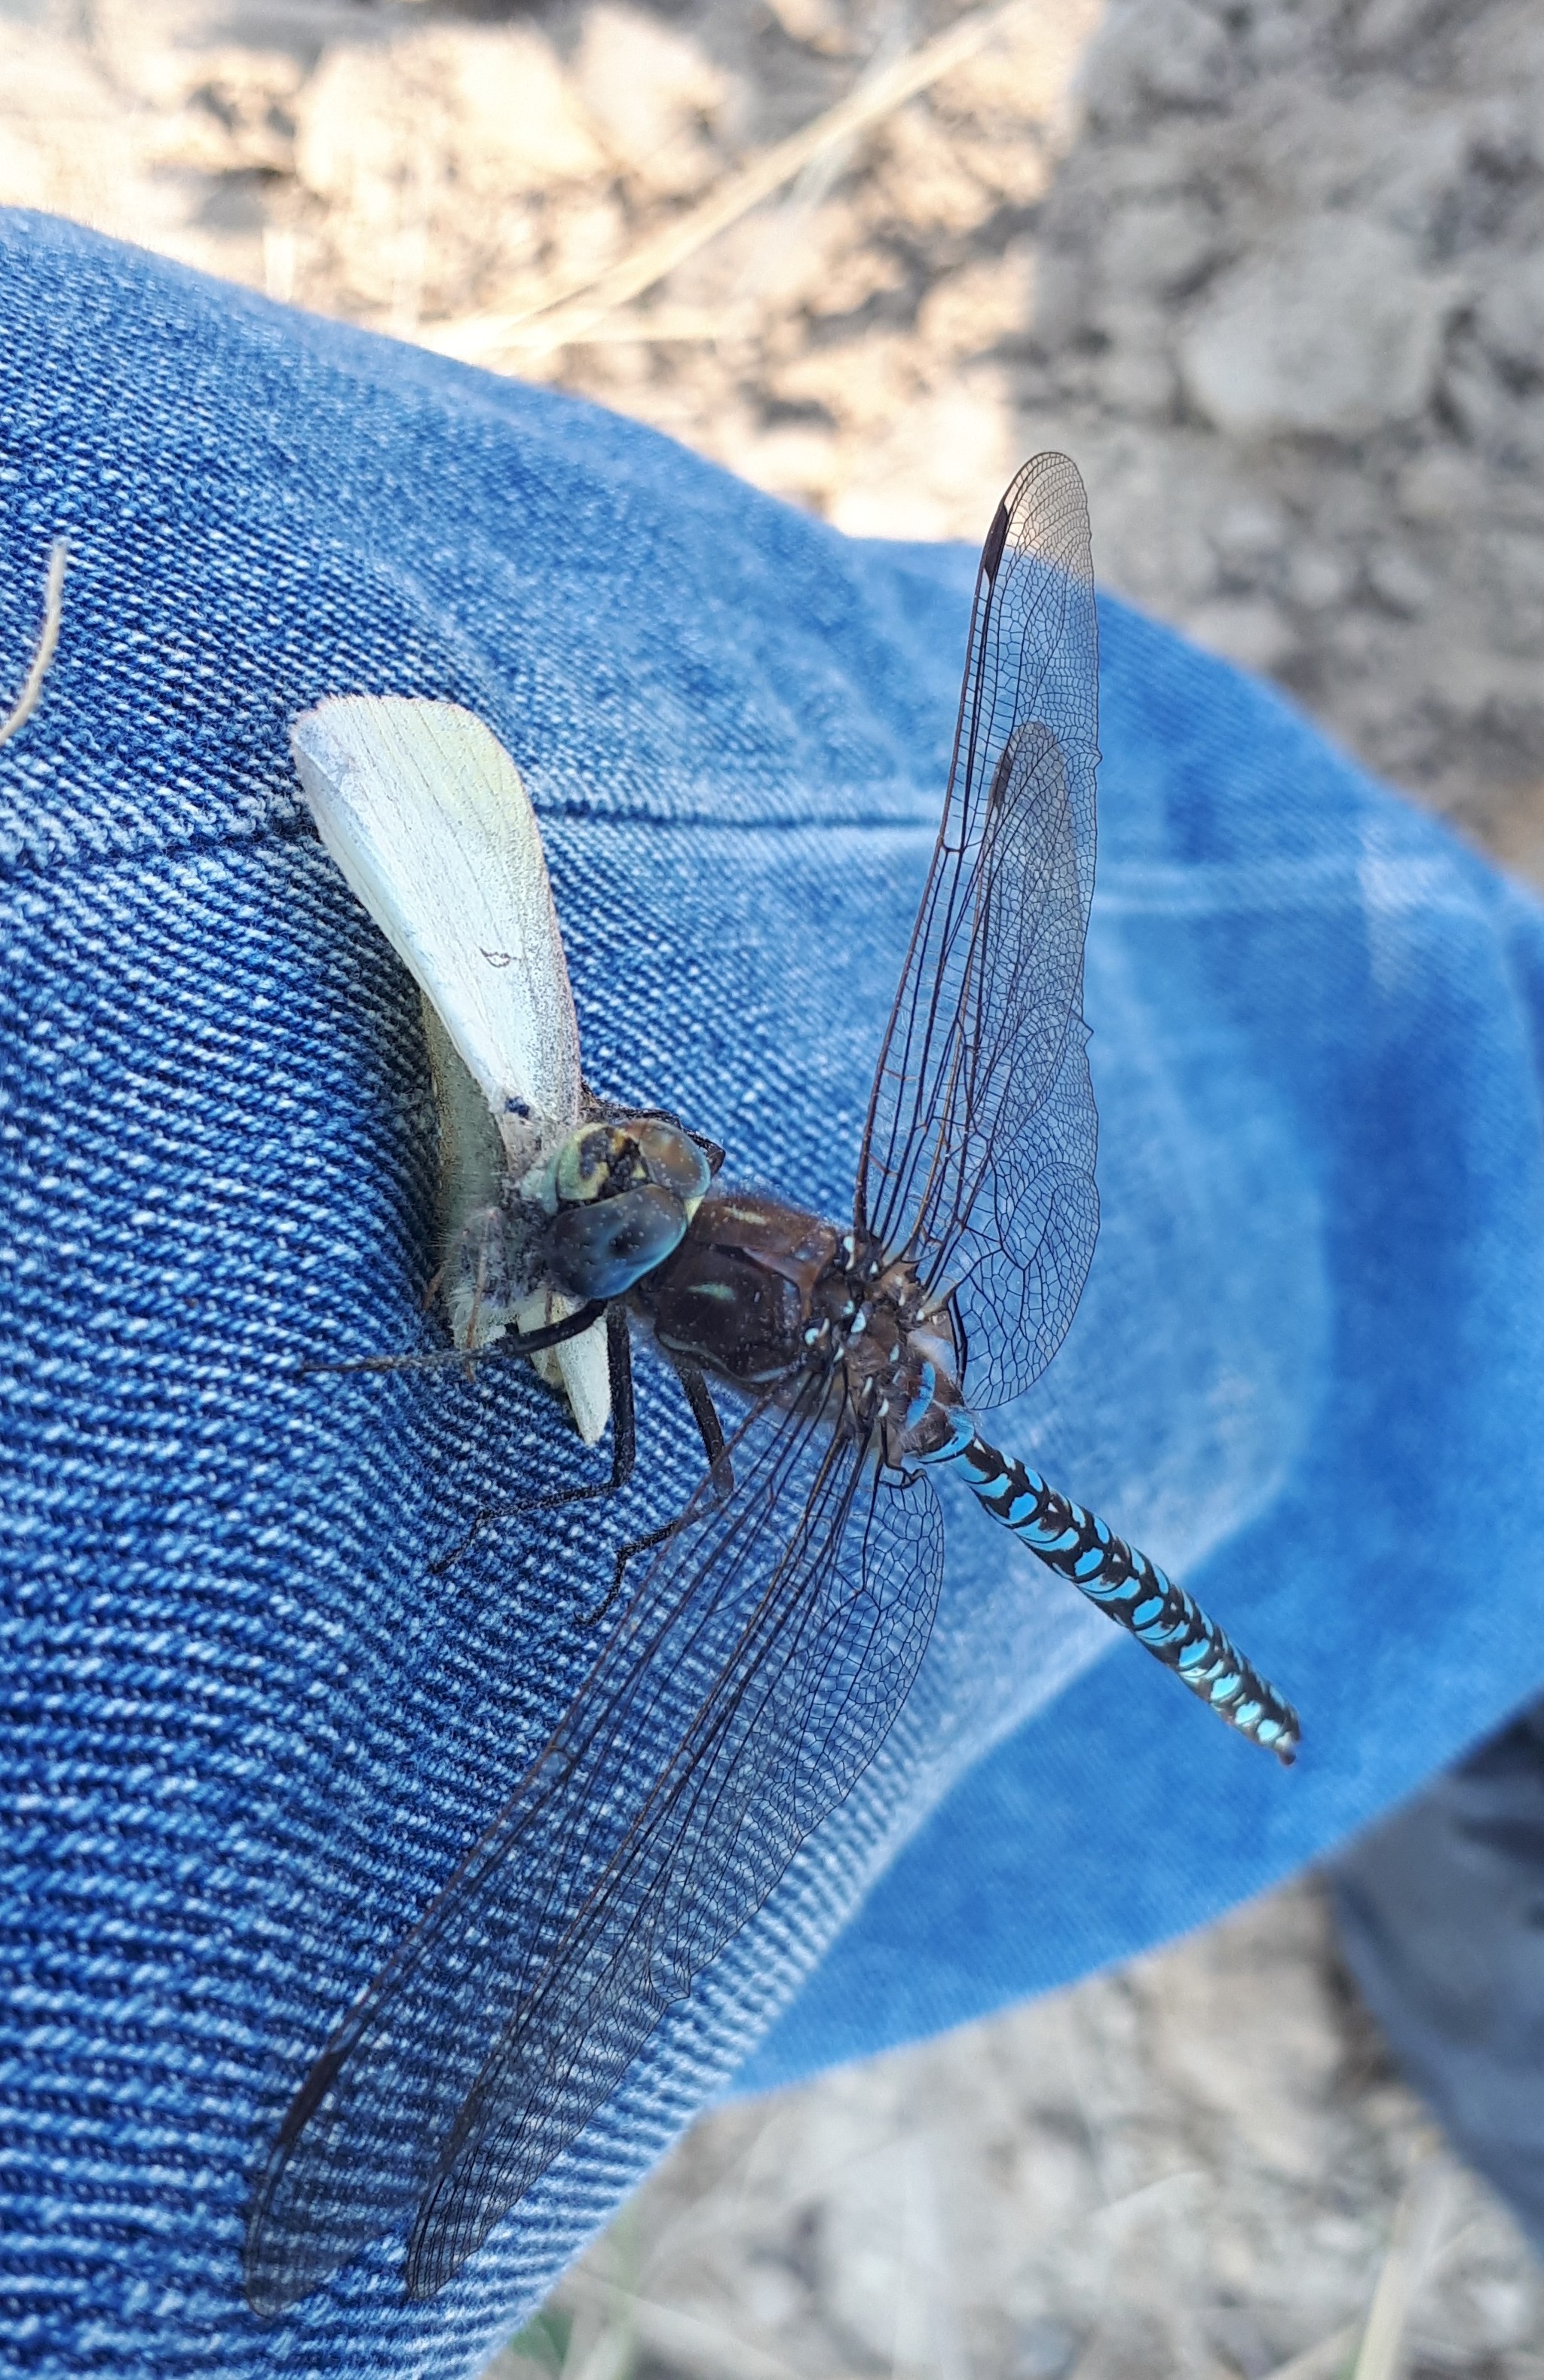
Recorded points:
979,1151
752,1680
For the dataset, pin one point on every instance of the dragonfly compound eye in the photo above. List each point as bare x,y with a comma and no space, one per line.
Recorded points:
597,1158
600,1250
673,1161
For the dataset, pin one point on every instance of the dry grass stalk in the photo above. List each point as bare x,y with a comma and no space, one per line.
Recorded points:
571,313
668,2335
48,639
1324,2361
1417,2224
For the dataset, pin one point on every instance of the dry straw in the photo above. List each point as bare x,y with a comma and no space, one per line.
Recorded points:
53,613
573,311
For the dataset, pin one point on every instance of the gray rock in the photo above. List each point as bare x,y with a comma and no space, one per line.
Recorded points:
1248,532
1441,485
1248,629
1512,315
1477,396
1317,580
1157,244
1138,376
1334,330
1170,52
1399,582
1378,26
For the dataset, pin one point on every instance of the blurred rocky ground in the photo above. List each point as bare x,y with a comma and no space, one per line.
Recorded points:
1194,2169
1272,271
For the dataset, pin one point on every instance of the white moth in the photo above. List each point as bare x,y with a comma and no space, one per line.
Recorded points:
426,815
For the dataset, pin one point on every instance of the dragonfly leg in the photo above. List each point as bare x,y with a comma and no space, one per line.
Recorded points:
624,1555
624,1447
710,1429
437,1359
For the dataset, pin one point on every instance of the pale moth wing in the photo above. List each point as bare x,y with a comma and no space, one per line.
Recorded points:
473,1162
426,816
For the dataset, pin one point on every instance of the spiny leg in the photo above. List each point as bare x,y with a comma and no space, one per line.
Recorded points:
1123,1583
438,1359
624,1446
710,1429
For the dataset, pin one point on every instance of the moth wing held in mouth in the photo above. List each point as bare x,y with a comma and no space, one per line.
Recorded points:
426,816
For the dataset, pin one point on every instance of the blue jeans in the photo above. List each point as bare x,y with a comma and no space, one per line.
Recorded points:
248,1731
1441,1921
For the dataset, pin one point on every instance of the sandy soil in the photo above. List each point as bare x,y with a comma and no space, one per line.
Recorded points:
1270,269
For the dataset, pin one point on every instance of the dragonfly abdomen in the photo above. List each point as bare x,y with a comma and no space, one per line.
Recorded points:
1123,1583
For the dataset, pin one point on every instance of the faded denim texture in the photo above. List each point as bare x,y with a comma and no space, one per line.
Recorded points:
247,1731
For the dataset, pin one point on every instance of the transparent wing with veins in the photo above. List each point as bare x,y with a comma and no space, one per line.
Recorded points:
751,1683
778,1632
979,1151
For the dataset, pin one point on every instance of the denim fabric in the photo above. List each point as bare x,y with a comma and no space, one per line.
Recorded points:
247,1730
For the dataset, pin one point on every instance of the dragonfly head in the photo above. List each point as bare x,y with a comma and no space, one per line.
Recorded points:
622,1195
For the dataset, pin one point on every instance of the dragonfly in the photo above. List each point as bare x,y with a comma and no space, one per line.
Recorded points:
763,1655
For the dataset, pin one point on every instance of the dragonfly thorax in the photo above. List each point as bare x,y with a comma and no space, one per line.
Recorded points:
766,1296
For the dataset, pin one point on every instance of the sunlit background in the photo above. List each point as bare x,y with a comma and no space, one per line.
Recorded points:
1271,271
